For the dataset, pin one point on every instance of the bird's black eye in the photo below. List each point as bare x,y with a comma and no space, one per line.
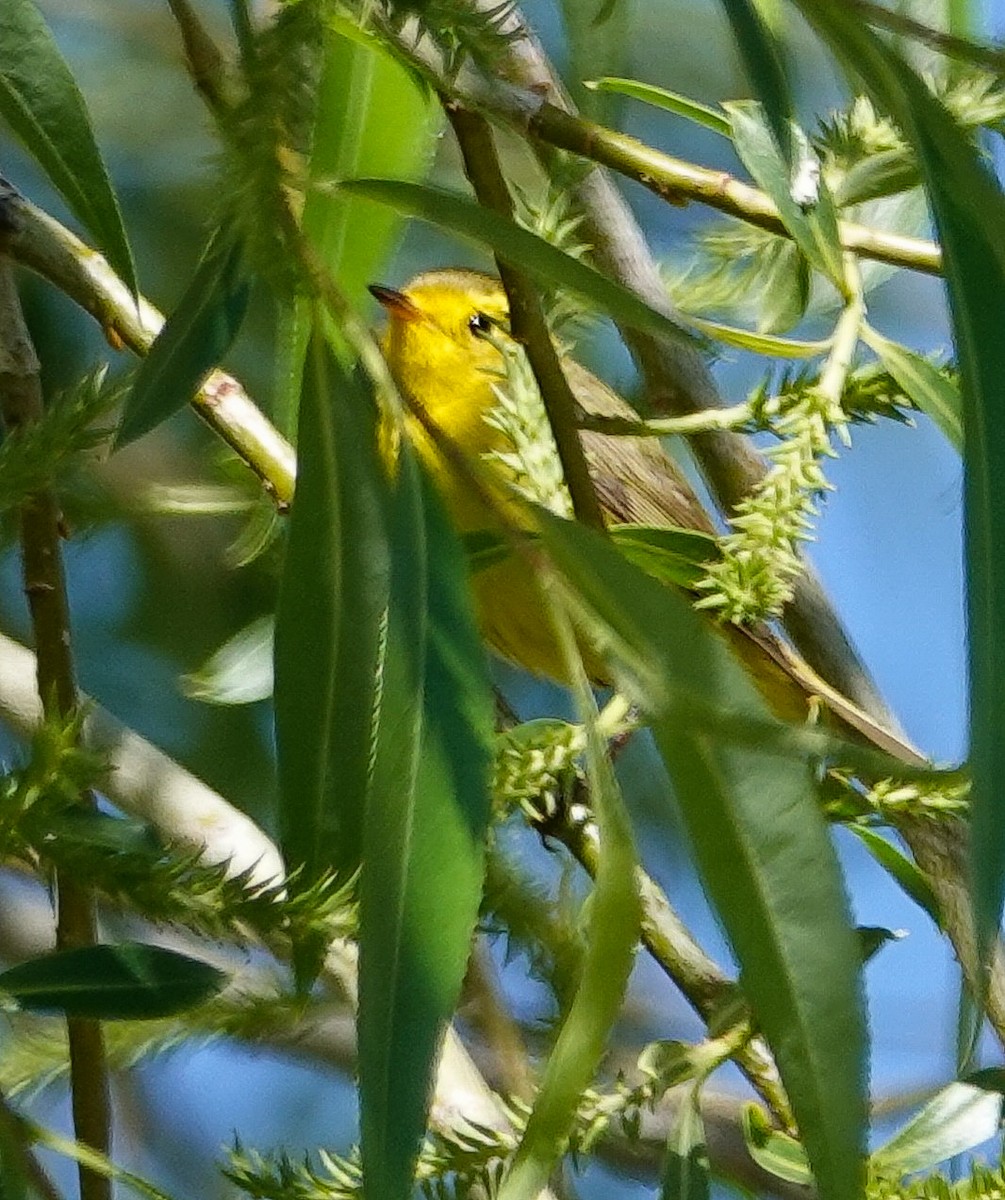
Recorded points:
480,324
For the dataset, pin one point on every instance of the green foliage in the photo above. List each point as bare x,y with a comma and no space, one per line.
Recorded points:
49,453
390,780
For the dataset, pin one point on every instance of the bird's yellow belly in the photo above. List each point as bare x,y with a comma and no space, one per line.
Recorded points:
515,621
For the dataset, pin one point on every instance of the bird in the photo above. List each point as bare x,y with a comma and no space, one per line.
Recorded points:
446,343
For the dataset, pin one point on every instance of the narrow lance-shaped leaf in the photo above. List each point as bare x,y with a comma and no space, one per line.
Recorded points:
813,227
373,117
764,64
921,380
192,341
426,818
612,933
673,102
521,247
130,981
41,102
761,843
329,624
969,211
955,1120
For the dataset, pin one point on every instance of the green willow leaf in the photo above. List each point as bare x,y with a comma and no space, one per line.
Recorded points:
969,212
814,228
41,102
522,248
426,819
659,97
901,869
612,933
329,624
921,380
764,64
761,844
677,556
955,1120
768,344
193,340
128,982
373,118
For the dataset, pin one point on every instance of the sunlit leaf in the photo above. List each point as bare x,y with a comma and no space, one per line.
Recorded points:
955,1120
673,102
240,671
776,1152
923,382
686,1174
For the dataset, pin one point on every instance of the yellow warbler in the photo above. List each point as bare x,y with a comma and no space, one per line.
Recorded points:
447,344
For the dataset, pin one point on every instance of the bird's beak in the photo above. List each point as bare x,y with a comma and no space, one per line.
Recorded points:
396,303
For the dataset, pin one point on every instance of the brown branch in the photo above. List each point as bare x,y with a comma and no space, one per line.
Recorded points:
45,591
527,322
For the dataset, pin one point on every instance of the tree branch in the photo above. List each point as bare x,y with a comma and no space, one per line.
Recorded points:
45,590
527,323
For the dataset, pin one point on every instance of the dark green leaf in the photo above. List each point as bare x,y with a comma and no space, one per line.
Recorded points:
678,556
814,228
686,1173
924,383
426,817
43,106
131,981
761,843
520,247
901,869
969,211
764,63
872,939
193,340
329,624
955,1120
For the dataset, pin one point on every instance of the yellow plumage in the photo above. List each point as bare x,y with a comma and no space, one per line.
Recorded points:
445,344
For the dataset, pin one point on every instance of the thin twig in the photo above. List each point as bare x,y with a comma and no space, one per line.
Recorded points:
42,244
45,590
527,322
